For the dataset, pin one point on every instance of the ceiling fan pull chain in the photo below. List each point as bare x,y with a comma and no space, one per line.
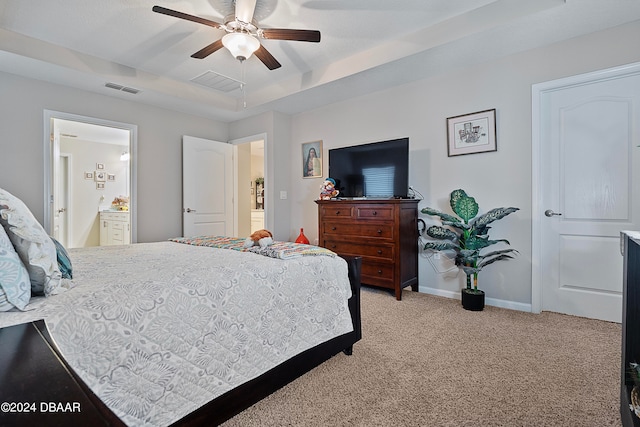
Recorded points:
244,94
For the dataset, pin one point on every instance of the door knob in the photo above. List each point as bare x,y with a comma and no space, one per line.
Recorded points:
551,213
61,210
190,210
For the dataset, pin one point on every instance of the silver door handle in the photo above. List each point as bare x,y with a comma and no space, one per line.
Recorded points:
190,210
61,210
551,213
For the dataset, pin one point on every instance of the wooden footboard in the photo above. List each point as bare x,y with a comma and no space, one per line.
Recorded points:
240,398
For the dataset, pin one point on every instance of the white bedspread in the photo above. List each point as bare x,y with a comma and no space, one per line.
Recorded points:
156,330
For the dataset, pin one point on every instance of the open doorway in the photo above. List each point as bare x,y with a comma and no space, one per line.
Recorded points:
89,180
252,202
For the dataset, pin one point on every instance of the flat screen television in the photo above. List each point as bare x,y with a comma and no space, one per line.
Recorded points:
375,170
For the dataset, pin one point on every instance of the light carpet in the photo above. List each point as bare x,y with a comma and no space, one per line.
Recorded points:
425,361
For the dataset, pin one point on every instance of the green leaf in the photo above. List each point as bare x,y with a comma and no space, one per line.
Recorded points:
458,224
455,196
492,215
444,246
486,262
445,217
441,233
466,208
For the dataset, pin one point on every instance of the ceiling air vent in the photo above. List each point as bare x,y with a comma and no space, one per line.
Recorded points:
216,81
122,88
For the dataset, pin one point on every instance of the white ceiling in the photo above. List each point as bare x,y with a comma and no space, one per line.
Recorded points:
366,45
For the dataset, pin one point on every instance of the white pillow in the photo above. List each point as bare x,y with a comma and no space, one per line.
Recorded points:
36,250
15,286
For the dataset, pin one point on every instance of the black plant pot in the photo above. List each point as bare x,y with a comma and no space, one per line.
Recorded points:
472,300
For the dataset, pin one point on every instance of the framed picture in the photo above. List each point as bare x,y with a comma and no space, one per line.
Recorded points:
111,177
100,166
312,159
472,133
99,185
88,175
99,176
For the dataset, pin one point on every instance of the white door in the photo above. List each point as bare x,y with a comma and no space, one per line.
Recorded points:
61,199
207,187
59,195
589,192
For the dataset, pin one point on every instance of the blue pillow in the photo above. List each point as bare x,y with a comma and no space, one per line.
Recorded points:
64,262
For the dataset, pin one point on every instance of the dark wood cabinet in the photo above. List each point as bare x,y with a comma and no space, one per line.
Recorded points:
630,323
383,232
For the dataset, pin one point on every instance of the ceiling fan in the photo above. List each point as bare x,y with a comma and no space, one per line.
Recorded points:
243,33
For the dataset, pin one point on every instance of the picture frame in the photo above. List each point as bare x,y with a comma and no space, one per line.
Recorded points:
88,175
99,185
472,133
99,176
111,177
312,159
100,166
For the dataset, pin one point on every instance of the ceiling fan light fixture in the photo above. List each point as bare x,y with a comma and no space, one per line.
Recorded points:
241,45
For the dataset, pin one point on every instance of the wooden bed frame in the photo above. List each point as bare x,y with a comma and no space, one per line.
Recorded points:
50,379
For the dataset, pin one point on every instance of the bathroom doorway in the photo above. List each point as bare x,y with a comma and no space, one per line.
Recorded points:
90,177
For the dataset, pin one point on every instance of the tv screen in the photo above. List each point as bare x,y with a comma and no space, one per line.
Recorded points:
375,170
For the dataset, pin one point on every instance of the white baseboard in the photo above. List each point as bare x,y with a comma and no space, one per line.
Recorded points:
511,305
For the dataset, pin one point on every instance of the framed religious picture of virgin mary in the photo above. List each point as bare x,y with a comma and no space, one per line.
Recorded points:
312,159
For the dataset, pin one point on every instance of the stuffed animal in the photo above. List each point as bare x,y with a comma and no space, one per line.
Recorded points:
328,189
262,238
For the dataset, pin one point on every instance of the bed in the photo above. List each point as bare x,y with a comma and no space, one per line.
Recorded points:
186,332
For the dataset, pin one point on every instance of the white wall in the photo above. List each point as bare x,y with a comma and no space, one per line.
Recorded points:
84,227
503,178
159,147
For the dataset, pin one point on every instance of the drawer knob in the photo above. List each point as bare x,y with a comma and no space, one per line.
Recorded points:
379,231
379,271
337,212
333,229
379,251
333,246
375,213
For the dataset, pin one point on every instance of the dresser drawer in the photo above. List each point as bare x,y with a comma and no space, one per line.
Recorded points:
114,216
382,250
374,212
337,228
377,274
338,211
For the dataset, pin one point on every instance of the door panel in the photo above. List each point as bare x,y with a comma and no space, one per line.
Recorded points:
588,153
207,181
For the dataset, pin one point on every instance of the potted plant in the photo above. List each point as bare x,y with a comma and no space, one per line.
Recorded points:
467,234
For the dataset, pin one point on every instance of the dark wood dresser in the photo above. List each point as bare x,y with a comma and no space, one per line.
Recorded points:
383,232
37,386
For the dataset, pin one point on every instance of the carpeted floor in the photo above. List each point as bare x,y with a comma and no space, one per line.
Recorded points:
425,361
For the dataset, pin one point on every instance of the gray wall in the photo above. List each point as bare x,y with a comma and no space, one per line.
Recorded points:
160,131
503,178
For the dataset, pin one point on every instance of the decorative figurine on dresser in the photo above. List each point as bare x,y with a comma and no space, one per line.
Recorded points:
383,232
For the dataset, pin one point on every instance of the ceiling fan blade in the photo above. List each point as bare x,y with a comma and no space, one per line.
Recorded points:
245,10
267,59
287,34
208,50
176,14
